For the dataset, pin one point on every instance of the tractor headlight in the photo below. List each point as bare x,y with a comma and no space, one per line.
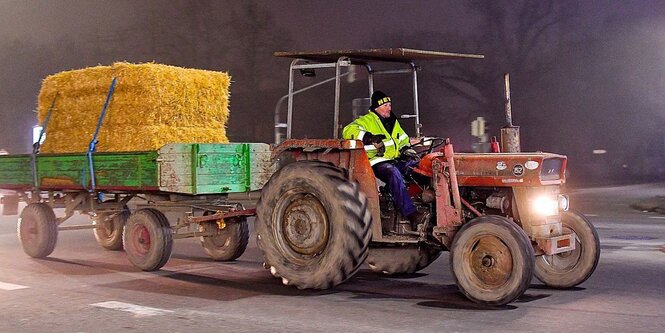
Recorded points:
548,205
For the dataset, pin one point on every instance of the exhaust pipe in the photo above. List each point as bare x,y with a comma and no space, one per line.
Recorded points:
510,134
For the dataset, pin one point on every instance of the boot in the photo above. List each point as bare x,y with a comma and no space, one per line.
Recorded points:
408,225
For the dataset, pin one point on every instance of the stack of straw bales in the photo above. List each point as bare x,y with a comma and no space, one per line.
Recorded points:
152,105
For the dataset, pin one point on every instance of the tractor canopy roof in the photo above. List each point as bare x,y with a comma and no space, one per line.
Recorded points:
400,54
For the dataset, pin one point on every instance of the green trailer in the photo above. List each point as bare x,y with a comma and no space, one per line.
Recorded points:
195,180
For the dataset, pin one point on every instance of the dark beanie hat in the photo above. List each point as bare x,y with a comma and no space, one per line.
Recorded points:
379,98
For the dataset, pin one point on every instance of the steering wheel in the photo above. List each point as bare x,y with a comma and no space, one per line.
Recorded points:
430,142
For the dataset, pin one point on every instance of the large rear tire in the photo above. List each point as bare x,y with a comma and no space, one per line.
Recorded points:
37,230
401,260
148,239
228,243
492,260
568,269
313,225
109,231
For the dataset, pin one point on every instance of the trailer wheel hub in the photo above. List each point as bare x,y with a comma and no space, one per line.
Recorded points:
30,230
140,239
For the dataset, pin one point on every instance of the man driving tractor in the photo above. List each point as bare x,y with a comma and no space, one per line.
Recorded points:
388,149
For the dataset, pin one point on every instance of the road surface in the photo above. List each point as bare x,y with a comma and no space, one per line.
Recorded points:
83,288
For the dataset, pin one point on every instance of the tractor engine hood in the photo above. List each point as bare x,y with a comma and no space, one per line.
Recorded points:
503,169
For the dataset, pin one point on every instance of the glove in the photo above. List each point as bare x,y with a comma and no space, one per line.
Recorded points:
408,153
373,138
377,141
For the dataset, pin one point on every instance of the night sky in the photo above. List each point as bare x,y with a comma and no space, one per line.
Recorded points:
585,75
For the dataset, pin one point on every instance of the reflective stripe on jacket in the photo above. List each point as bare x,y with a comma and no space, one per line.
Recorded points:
370,123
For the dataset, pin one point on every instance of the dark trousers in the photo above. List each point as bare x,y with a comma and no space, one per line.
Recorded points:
390,172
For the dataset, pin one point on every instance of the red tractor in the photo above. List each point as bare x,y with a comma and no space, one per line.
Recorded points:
501,215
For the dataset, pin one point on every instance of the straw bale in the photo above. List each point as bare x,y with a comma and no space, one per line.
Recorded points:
152,105
150,138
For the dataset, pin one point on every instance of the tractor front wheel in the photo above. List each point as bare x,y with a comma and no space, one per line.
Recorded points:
492,260
568,269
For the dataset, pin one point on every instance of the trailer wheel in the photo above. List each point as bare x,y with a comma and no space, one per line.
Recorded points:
401,260
229,243
37,230
568,269
109,231
148,239
492,260
313,225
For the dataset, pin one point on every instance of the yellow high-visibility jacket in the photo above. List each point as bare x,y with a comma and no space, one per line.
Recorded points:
370,123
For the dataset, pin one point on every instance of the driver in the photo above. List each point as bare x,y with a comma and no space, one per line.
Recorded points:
385,141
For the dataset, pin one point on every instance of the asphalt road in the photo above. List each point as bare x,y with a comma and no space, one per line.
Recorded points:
83,288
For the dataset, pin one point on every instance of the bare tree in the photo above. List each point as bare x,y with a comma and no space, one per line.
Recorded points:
523,38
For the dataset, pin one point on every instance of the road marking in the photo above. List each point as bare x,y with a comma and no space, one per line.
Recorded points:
11,286
591,215
138,310
657,217
640,248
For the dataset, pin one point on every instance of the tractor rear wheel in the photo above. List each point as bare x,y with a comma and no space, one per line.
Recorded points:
312,225
568,269
228,243
148,239
401,260
109,231
37,229
492,260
